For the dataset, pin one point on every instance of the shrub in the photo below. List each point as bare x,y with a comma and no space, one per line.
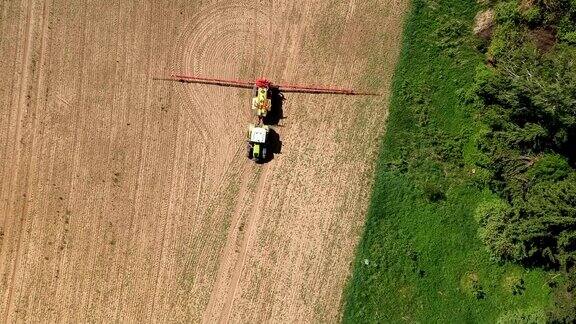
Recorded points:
507,12
494,217
549,167
434,192
569,37
532,16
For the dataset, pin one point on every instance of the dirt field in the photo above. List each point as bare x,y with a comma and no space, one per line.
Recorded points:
129,199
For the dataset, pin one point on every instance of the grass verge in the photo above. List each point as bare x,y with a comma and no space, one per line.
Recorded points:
420,258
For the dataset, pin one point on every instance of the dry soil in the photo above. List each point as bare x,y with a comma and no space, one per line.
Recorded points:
125,198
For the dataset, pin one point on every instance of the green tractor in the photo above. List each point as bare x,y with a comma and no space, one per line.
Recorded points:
257,142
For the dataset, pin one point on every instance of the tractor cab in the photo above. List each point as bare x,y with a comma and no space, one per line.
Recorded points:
257,137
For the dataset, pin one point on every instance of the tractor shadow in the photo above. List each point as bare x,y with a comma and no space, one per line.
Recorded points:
274,146
276,112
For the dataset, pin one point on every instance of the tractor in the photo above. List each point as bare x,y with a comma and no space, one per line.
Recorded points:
257,142
262,105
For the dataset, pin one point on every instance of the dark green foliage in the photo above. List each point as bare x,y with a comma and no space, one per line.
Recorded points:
549,167
532,16
493,217
527,98
569,37
420,259
451,34
539,229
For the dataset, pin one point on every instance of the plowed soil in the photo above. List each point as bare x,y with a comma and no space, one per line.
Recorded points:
125,198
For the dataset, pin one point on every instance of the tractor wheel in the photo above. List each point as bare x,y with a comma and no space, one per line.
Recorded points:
264,153
254,91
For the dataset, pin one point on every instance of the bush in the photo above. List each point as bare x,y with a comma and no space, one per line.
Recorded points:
549,167
494,217
434,192
505,37
507,12
532,16
528,101
569,37
450,35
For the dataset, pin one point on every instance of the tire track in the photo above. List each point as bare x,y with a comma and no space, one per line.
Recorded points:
253,216
41,92
202,46
21,103
211,48
209,45
233,257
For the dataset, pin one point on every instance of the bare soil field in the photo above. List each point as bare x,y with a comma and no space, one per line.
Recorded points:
125,198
